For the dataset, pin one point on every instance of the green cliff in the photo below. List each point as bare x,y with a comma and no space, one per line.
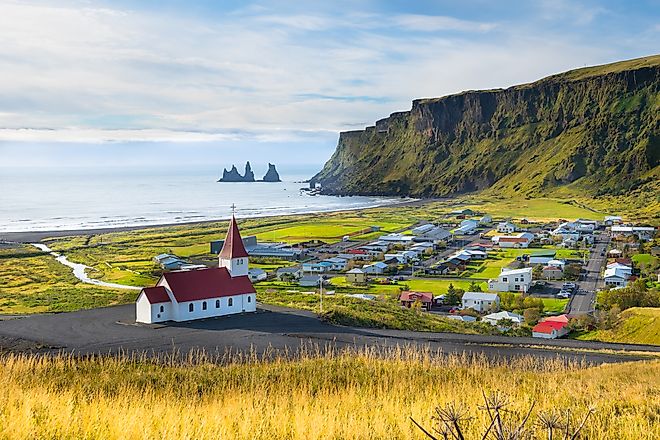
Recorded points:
592,131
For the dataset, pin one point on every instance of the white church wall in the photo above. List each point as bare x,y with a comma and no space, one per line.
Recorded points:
143,309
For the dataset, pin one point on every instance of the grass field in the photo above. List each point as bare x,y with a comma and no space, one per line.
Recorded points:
318,396
636,326
540,209
37,283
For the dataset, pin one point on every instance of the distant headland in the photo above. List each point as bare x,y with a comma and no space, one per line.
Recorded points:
248,176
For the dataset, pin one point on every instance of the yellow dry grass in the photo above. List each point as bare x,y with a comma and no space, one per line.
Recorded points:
339,396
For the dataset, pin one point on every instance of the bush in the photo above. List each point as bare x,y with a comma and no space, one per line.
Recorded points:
637,294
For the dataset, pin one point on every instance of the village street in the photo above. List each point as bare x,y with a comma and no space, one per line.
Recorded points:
583,300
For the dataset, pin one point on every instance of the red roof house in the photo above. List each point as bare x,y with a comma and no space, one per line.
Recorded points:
408,298
550,329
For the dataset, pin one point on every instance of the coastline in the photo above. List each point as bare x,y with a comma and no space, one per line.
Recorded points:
36,236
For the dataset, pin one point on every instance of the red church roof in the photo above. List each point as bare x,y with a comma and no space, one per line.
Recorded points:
156,294
233,246
194,285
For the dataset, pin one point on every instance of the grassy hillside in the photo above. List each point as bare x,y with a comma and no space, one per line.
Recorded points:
591,132
637,326
343,396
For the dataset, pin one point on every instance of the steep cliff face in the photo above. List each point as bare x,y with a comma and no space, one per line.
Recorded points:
595,129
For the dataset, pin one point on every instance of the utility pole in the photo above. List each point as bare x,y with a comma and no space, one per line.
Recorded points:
321,293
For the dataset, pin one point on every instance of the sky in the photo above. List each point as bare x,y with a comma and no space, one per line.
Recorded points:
174,82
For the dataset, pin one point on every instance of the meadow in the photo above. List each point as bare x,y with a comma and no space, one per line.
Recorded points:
319,395
637,325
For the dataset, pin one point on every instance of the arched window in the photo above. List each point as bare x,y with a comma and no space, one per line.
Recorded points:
191,307
204,305
249,298
230,302
217,303
162,309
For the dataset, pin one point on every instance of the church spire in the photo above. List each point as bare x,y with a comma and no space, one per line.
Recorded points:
233,246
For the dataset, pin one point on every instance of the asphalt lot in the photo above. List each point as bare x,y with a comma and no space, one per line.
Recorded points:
110,331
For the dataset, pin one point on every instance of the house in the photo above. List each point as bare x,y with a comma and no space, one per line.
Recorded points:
542,257
521,240
337,263
204,293
284,273
435,236
553,273
518,280
486,220
396,238
480,301
310,280
641,232
356,276
506,228
419,230
377,268
467,227
612,220
550,329
408,298
257,274
494,318
321,267
437,269
466,318
614,253
617,275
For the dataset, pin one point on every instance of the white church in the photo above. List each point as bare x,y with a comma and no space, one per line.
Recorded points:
202,293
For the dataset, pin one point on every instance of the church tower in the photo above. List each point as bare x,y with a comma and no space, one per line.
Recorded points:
233,255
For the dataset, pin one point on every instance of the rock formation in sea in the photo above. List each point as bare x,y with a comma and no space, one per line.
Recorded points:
272,175
234,176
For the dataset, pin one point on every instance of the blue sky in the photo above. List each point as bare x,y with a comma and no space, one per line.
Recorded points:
198,82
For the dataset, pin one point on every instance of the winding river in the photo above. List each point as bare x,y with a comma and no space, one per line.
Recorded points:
79,269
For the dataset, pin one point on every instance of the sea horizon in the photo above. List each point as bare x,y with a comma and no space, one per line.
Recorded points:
86,198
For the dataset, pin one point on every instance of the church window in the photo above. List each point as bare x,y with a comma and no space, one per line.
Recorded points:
217,303
204,305
162,309
191,307
249,299
230,302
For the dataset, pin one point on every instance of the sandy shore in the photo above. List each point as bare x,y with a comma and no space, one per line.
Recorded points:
36,236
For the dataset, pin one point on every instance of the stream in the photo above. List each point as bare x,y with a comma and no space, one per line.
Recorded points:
79,269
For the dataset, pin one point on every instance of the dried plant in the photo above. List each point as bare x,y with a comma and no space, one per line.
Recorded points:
504,424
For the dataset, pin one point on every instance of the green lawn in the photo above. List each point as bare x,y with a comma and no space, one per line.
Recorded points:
643,259
553,305
541,209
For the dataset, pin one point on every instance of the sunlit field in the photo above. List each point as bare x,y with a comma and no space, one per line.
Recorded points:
326,396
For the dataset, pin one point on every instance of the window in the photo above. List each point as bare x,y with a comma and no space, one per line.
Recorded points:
249,299
230,302
505,279
516,287
204,305
162,309
191,307
217,303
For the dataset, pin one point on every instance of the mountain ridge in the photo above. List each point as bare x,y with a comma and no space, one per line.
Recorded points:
593,130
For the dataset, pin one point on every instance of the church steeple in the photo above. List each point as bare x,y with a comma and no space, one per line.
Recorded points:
233,255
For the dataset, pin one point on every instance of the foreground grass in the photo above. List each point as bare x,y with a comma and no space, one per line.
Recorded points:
317,396
637,325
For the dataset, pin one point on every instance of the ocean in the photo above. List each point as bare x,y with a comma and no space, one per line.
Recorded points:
53,199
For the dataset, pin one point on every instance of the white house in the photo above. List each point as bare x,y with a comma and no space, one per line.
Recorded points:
419,230
486,219
337,263
494,318
375,268
521,240
257,274
617,275
480,301
518,280
612,220
506,227
202,293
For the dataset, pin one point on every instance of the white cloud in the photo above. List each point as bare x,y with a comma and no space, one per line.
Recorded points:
97,74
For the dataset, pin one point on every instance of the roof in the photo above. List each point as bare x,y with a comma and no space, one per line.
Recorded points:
233,246
156,294
416,296
356,270
504,315
560,318
480,295
548,326
513,239
544,253
215,282
288,269
506,271
553,268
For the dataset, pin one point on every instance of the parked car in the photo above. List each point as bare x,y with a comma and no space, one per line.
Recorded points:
563,295
568,286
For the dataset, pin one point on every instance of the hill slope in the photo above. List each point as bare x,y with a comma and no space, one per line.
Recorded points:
637,325
594,131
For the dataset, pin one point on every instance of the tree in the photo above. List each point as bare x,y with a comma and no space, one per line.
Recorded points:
532,316
636,294
453,296
475,287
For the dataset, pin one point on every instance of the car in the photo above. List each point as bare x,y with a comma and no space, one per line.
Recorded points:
563,295
568,286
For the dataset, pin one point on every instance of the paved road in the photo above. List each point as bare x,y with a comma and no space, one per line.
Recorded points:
583,302
108,330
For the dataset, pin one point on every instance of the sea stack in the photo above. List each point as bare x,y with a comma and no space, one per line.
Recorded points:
272,174
234,176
